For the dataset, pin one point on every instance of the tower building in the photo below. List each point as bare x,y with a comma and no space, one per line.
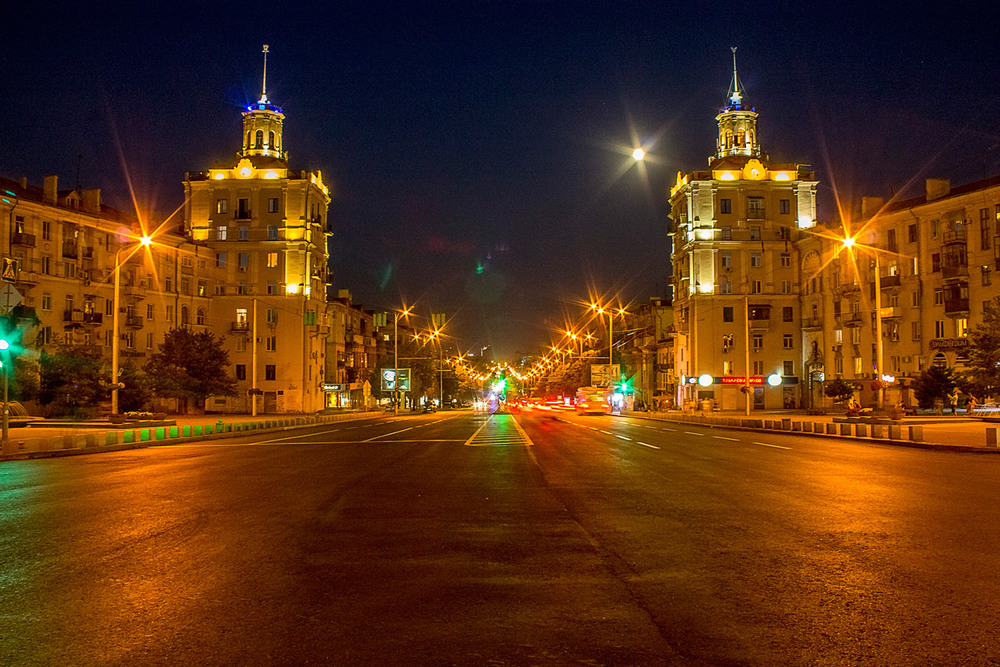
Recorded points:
266,224
736,268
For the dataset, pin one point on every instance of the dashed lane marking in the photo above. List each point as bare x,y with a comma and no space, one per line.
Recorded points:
722,437
766,444
646,444
701,435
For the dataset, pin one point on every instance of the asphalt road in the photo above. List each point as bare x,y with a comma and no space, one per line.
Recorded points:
543,538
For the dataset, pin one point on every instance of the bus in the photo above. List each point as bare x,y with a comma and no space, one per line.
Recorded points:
592,401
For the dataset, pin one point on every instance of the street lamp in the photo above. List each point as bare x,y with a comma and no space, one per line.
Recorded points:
600,310
144,241
395,359
849,244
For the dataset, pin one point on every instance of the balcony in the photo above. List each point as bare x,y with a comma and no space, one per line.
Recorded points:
958,307
20,238
69,250
812,323
241,327
73,316
954,271
853,320
844,290
87,252
889,281
891,312
133,321
93,318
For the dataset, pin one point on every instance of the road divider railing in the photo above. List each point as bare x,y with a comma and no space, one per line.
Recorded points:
908,434
94,440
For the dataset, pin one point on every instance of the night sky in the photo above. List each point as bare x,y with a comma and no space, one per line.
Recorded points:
479,152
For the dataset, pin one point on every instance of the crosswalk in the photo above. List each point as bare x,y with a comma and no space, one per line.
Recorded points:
499,430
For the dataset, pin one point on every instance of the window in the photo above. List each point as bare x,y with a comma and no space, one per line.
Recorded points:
725,206
243,208
986,275
786,260
838,365
915,299
755,207
272,343
186,286
149,341
855,335
47,265
220,288
784,233
150,311
726,258
244,260
787,312
272,205
755,233
984,229
786,286
220,259
271,316
200,317
915,330
911,233
241,287
243,232
221,205
755,259
757,342
788,341
939,297
272,233
859,366
962,327
893,331
939,329
838,336
755,287
241,316
788,368
727,343
269,373
727,313
202,288
258,139
890,240
758,367
726,233
168,284
935,228
46,302
241,372
725,286
170,313
272,288
728,367
272,260
784,206
221,232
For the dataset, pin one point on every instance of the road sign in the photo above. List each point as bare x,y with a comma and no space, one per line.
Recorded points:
389,379
10,269
9,297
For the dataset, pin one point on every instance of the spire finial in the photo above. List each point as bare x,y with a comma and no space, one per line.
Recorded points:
263,89
736,97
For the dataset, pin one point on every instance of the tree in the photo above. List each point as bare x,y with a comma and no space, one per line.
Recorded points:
138,391
191,365
72,382
839,389
933,384
984,351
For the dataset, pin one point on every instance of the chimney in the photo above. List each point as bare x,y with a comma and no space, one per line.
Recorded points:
937,188
51,189
92,200
870,206
344,294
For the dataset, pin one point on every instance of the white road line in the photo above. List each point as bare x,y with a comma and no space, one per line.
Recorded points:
672,430
646,444
693,433
622,437
722,437
764,444
606,432
386,435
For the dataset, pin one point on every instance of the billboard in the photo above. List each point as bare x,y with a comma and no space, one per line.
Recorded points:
389,379
605,375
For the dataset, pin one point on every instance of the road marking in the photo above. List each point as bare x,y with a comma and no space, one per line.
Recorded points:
722,437
672,430
764,444
498,436
386,435
606,432
693,433
623,437
646,444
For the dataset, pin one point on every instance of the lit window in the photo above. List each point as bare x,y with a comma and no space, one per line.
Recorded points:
272,260
221,233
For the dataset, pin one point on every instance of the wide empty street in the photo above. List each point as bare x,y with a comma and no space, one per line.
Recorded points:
541,537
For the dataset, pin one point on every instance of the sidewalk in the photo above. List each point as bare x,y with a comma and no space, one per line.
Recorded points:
946,430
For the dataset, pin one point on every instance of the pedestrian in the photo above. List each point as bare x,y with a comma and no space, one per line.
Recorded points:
970,405
953,401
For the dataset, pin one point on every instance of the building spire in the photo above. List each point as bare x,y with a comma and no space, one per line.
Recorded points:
263,88
735,96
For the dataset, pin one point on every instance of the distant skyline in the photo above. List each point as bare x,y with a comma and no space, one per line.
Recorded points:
480,153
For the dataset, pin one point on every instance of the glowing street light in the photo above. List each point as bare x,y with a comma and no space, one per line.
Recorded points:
395,359
144,241
849,244
638,154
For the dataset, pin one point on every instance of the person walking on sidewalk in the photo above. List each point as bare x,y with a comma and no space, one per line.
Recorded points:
953,400
970,405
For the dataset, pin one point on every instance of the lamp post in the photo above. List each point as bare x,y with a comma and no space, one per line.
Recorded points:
395,359
144,241
436,334
849,244
600,310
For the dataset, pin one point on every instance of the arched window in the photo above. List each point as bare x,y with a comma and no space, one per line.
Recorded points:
729,138
940,360
270,141
184,316
248,140
741,138
259,139
752,140
200,317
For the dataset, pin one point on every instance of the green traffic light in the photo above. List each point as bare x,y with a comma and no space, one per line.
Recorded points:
4,344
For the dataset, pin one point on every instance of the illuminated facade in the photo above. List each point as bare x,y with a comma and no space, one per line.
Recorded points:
736,277
938,254
266,226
